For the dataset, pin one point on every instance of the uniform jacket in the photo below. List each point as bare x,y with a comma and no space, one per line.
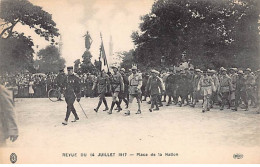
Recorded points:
8,124
170,85
233,81
154,85
135,83
206,85
102,83
225,83
117,83
72,85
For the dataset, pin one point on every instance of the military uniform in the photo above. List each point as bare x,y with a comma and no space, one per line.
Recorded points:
206,85
71,92
170,87
233,77
123,94
117,85
183,88
240,91
224,89
101,83
154,86
250,87
135,84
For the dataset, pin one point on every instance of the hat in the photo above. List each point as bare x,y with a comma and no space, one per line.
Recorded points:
221,68
248,69
70,68
240,72
182,72
191,68
213,71
134,68
234,69
224,69
122,69
209,71
197,70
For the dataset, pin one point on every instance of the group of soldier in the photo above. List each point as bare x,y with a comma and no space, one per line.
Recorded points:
227,87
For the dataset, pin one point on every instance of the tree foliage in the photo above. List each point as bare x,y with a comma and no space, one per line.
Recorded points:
16,53
212,33
50,60
16,48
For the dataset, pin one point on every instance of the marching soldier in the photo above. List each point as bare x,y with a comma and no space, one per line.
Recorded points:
206,85
225,88
135,84
72,92
102,83
154,86
123,95
250,86
195,82
233,76
117,85
183,88
170,86
216,84
241,90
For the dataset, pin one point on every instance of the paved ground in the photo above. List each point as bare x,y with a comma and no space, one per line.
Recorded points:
212,137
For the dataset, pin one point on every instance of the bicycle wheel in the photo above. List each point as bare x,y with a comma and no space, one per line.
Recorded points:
54,95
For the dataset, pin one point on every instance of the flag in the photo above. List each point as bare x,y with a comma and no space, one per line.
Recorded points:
103,53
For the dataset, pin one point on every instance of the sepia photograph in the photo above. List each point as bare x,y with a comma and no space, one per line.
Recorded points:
129,82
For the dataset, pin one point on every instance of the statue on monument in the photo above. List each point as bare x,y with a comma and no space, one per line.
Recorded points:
88,40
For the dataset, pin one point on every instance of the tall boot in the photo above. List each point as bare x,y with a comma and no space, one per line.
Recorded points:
118,106
99,104
105,102
112,106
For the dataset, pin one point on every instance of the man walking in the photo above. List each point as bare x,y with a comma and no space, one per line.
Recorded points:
72,92
135,84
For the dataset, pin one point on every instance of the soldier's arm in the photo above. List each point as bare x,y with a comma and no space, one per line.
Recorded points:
140,82
77,87
148,85
6,103
122,85
199,85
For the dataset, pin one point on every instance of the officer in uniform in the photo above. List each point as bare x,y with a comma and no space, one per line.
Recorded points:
206,85
233,76
72,92
240,91
169,86
195,82
117,85
135,84
216,84
225,88
102,83
123,95
250,86
154,86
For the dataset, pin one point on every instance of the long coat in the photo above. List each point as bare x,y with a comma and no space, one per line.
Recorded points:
8,125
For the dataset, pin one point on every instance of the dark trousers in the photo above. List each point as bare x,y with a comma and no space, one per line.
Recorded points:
225,99
154,101
243,96
70,108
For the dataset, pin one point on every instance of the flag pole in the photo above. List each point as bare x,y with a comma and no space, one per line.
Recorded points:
104,50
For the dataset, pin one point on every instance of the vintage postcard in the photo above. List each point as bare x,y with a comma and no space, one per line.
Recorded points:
129,82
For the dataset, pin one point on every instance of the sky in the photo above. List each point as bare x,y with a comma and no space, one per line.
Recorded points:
116,18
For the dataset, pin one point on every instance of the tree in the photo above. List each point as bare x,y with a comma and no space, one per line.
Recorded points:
16,48
16,53
212,33
50,60
127,59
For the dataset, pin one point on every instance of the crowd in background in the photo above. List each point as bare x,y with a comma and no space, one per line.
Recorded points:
180,86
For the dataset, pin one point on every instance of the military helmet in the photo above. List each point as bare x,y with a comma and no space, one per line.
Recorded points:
240,72
134,68
248,69
122,69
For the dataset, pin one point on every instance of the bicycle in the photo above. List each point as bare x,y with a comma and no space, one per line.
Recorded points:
54,94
